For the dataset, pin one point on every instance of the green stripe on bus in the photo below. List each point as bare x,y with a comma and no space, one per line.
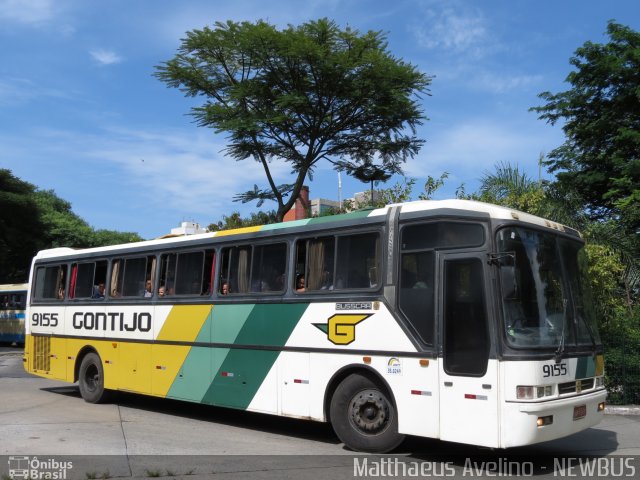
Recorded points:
242,371
586,367
194,375
197,371
335,218
291,224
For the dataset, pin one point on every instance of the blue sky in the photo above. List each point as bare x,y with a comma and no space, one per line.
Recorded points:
81,113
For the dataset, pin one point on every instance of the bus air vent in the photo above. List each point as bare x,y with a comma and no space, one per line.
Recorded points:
564,388
41,357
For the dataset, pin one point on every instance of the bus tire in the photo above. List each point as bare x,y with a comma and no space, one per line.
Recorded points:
363,416
91,379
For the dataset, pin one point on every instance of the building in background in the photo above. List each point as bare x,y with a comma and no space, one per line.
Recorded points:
188,228
321,206
300,209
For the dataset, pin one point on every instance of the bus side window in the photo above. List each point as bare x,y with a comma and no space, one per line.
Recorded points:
239,266
357,261
340,263
269,264
209,272
129,275
416,293
223,284
167,274
315,264
50,282
189,273
466,335
88,280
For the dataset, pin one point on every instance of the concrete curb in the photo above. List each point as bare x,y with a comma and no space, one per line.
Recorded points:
622,409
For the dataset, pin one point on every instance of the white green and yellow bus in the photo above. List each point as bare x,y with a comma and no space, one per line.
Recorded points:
13,299
450,319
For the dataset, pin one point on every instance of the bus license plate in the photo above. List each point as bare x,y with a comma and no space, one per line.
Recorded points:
579,412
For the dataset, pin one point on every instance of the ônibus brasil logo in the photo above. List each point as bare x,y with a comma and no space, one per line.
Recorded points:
22,467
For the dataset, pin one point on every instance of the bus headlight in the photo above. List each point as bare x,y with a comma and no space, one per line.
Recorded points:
525,392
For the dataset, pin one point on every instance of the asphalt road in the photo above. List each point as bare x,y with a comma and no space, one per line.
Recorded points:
143,437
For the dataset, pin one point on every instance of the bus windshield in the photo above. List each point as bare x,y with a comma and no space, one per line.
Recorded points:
544,290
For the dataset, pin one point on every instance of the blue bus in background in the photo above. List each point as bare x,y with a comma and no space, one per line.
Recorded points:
13,301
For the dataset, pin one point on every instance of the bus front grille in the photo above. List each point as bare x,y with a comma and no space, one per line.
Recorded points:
575,387
42,357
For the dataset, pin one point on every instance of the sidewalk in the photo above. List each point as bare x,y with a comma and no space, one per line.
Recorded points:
622,409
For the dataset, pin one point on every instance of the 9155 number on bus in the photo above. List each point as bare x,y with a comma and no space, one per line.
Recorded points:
44,320
556,370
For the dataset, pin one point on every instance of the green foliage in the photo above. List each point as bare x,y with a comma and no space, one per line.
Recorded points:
301,94
398,193
104,237
32,220
600,159
21,228
432,185
234,220
63,228
621,338
510,187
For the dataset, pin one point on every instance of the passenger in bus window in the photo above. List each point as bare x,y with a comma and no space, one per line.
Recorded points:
224,289
60,294
300,283
148,291
162,291
98,291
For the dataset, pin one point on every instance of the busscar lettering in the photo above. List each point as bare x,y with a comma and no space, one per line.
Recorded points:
112,321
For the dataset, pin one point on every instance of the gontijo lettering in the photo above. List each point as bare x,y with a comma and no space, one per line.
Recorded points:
112,321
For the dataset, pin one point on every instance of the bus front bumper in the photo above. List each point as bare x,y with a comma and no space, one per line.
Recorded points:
520,420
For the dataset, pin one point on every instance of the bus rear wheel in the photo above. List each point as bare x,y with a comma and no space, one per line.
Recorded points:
364,417
91,379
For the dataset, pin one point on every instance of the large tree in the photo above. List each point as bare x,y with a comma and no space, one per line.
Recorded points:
600,159
21,229
302,95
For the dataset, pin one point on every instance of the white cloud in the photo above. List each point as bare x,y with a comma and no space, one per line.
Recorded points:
476,146
30,12
184,171
450,27
15,91
502,83
105,57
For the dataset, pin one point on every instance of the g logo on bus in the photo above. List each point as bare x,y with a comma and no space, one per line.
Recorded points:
341,327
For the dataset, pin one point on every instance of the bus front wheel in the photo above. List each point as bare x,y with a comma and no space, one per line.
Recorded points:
363,416
91,379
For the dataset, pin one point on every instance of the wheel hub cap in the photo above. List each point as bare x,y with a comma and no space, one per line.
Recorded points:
369,411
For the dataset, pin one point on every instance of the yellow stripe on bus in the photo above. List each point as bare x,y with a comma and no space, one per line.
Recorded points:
184,322
599,365
237,231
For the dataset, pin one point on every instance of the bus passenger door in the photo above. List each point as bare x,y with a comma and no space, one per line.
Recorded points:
468,377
